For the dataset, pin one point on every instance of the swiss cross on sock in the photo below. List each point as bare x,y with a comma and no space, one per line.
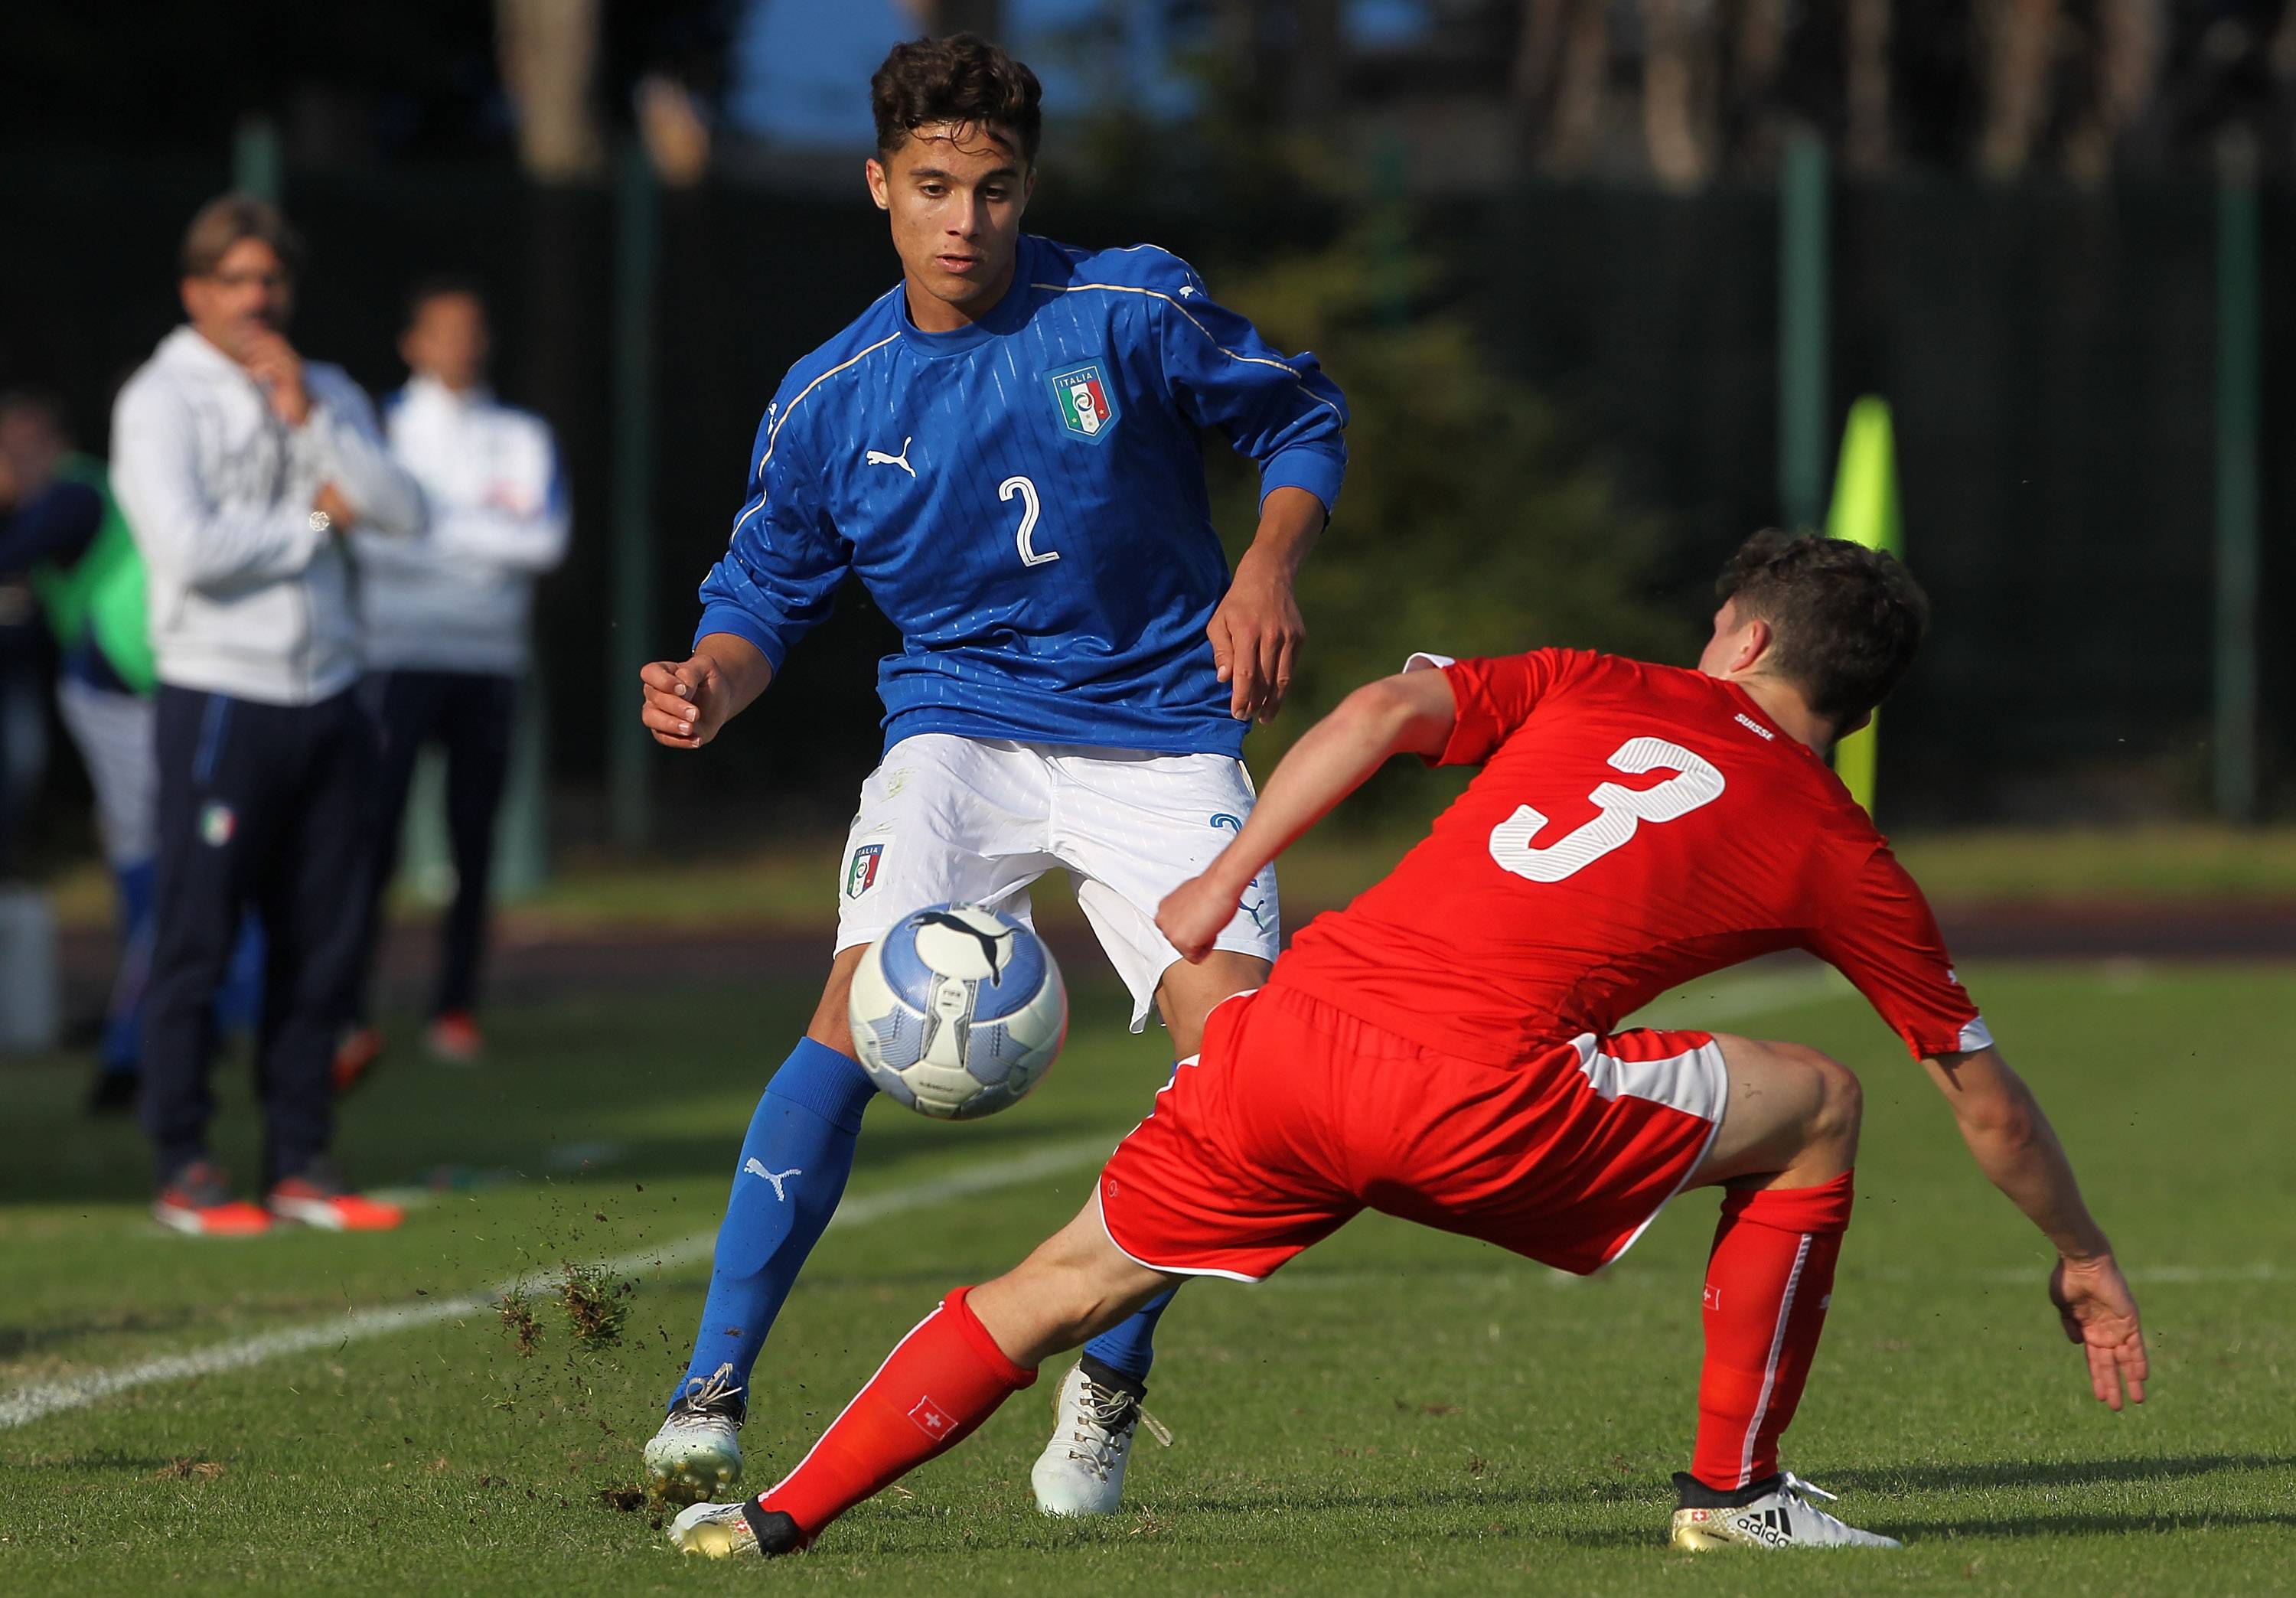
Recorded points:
931,1418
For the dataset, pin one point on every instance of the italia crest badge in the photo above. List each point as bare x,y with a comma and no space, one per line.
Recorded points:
1085,401
862,874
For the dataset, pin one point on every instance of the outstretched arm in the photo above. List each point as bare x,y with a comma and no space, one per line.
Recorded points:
1408,714
2016,1148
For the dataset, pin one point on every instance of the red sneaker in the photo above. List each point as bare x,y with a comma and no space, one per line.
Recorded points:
455,1039
318,1198
197,1202
358,1053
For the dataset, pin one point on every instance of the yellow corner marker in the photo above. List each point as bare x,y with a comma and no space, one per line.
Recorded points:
1866,511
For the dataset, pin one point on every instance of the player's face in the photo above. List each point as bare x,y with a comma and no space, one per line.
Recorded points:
448,341
955,193
249,292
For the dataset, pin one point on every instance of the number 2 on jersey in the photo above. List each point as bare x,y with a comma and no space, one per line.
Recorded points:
1624,810
1030,555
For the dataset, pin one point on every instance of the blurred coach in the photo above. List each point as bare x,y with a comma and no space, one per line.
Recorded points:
446,626
242,468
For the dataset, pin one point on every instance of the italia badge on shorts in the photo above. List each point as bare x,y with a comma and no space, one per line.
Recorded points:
218,824
862,874
1086,404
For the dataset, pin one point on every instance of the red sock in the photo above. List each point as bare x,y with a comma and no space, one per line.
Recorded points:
934,1389
1767,1283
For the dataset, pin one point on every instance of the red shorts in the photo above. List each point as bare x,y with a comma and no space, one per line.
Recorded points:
1297,1116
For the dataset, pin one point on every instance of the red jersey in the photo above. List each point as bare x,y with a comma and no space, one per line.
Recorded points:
1634,827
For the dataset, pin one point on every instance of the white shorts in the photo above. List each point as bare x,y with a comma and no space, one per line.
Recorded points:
946,818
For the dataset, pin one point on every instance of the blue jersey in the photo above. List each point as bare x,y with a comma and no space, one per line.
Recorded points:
1025,498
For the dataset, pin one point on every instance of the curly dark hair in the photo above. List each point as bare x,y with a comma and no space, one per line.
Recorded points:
1848,619
964,79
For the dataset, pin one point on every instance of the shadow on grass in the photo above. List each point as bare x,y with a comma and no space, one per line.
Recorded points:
105,1459
1655,1495
18,1342
2014,1473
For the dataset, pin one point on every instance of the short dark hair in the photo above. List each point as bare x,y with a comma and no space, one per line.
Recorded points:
964,79
228,220
1846,618
439,286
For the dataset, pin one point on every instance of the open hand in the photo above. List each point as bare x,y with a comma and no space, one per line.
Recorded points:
2099,1315
684,701
1256,633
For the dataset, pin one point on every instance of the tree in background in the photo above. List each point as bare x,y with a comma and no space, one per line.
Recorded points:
1472,523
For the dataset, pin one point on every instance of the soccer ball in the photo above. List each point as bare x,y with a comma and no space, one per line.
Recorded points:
958,1011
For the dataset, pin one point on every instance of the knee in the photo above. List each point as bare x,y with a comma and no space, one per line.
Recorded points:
1841,1108
831,1026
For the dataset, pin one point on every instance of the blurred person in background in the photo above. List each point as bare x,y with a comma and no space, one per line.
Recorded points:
446,620
64,535
242,469
23,724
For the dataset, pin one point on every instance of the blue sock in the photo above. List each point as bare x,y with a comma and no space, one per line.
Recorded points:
791,1173
1131,1347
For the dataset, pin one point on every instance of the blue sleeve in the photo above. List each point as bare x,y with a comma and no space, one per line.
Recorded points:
1282,411
57,524
786,559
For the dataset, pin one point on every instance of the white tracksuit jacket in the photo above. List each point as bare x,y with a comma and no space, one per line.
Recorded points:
459,598
246,599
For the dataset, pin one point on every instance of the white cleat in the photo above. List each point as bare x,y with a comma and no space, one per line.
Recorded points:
696,1456
1781,1518
1081,1470
713,1531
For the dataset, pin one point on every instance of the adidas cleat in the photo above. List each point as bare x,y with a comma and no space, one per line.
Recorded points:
1772,1513
729,1530
1081,1470
695,1455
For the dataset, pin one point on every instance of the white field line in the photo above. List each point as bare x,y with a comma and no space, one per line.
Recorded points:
30,1403
1721,998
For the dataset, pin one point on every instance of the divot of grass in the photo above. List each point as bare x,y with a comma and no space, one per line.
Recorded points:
188,1468
519,1321
597,1305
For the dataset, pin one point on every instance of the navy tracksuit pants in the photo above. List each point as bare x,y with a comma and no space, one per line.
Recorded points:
472,716
263,806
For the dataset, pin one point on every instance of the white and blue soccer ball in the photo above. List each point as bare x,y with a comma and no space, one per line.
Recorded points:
958,1011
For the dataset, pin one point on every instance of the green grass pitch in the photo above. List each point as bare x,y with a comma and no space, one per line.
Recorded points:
1398,1412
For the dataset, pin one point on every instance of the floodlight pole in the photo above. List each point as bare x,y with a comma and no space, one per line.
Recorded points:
2238,340
1803,270
638,210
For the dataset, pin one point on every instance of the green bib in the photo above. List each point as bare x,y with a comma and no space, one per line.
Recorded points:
102,591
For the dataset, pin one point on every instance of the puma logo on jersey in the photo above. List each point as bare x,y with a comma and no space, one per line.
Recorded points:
756,1167
878,457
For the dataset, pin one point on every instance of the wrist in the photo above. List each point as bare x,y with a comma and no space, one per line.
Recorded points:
1269,561
1230,876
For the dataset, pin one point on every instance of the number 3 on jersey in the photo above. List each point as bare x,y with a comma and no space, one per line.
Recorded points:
1030,555
1624,810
